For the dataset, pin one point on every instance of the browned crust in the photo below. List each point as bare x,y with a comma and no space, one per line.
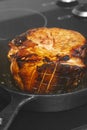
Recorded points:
40,57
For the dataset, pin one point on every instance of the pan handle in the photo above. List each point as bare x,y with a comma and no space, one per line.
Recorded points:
7,115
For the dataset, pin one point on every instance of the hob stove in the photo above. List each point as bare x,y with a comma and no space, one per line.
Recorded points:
20,15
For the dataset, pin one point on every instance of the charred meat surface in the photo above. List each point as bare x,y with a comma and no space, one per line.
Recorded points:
47,60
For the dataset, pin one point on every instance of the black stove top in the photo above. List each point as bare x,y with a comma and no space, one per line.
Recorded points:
18,16
50,121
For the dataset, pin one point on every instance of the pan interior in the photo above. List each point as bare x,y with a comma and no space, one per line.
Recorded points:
6,79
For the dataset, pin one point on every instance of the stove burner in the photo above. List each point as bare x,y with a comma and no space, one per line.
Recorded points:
80,10
18,20
67,3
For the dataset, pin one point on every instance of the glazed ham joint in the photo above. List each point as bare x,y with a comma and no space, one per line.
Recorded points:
48,60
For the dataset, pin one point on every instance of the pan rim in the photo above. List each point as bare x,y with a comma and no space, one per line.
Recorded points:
10,91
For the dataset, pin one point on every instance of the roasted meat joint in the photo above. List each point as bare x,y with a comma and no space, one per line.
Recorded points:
48,60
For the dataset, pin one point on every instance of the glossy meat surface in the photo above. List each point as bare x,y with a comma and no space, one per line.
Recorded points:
46,60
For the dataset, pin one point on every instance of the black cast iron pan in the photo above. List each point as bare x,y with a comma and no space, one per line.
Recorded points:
45,102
